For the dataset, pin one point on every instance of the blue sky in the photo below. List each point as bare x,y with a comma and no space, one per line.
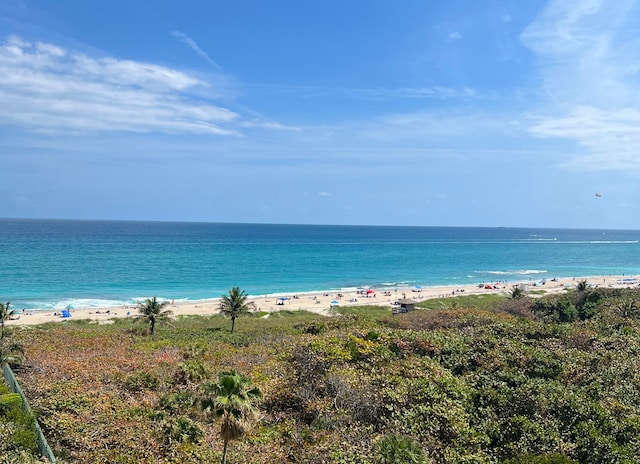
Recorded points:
468,113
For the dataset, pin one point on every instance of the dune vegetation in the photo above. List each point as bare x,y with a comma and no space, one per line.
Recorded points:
554,379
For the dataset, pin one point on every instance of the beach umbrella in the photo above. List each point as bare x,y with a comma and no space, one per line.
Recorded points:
369,292
335,303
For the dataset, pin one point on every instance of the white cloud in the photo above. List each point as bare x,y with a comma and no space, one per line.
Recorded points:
590,75
436,92
324,194
44,87
611,137
379,93
269,125
189,42
454,128
455,36
49,49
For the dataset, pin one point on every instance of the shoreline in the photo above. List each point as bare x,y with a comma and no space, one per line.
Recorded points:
320,302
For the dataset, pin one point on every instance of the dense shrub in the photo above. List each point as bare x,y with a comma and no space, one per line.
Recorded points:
180,429
178,402
9,401
192,371
140,381
537,380
553,458
556,309
18,440
394,449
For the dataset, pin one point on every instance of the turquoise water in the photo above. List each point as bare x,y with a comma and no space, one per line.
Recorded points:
48,264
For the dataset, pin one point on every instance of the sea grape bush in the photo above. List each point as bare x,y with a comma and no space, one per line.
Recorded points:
553,379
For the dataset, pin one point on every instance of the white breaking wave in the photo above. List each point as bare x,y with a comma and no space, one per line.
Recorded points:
80,303
515,272
601,241
88,303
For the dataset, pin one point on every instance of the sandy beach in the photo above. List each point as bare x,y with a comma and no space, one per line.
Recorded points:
321,302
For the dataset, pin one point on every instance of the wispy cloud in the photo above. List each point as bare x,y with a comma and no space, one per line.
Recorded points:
379,93
455,36
47,88
590,75
611,137
268,125
436,92
189,42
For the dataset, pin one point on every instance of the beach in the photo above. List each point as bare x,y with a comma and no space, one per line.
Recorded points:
322,302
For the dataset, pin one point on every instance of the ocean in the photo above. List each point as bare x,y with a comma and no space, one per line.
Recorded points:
49,264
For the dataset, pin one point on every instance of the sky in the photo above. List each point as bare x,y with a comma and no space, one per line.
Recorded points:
359,112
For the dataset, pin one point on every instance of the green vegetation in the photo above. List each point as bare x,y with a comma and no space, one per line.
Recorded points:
582,286
235,305
463,301
152,311
485,380
399,450
11,353
230,400
18,441
517,293
5,314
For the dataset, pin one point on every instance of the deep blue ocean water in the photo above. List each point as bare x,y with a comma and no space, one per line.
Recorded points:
48,264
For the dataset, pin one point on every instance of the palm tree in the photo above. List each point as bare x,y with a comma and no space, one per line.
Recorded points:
235,304
582,286
516,293
230,400
5,314
627,307
151,311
